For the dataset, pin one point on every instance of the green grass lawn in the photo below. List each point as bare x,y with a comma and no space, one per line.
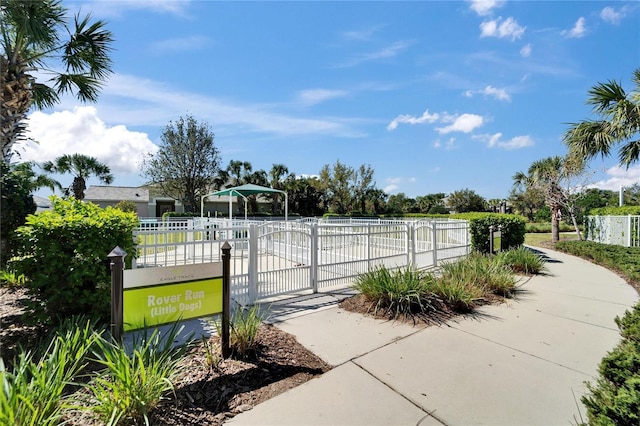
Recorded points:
538,238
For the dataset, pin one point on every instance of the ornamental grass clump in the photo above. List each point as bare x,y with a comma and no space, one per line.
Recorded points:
244,325
33,391
481,271
131,385
523,261
402,292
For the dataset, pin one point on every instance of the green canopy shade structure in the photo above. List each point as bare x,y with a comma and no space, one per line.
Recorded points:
243,191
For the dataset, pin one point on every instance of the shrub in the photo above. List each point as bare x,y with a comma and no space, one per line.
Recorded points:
522,261
63,256
33,392
615,211
127,206
513,229
401,292
614,399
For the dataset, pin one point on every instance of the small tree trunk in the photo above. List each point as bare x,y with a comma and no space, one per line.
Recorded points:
575,224
555,228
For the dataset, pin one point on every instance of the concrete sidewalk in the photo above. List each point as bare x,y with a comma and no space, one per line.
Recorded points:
519,363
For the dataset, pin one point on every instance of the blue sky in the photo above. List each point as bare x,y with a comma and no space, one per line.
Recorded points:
435,96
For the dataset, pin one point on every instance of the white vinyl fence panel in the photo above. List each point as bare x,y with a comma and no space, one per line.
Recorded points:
274,258
614,230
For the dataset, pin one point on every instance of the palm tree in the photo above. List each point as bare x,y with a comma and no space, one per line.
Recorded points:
82,167
619,123
30,35
552,176
277,176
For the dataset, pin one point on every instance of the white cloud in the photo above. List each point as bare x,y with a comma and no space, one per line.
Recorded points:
391,188
81,131
525,52
448,145
315,96
409,119
611,16
111,9
495,141
181,44
499,94
619,176
464,123
387,52
485,7
579,29
135,101
360,35
509,28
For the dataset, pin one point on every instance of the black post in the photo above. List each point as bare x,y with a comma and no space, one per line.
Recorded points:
226,298
491,230
117,256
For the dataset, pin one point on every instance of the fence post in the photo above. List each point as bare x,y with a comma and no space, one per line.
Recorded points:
368,244
412,232
117,256
226,298
253,264
434,241
314,256
628,230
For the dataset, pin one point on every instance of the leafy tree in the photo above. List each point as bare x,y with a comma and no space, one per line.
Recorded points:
619,123
187,164
82,167
429,202
363,186
466,200
401,204
527,201
305,196
337,183
31,37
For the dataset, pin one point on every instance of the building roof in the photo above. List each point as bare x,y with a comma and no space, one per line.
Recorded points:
116,193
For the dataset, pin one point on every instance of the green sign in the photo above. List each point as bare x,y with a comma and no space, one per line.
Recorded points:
157,296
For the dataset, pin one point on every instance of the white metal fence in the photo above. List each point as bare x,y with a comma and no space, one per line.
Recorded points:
616,230
274,258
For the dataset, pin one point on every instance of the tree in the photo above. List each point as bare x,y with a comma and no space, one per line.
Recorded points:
187,163
619,123
336,183
277,176
430,202
526,201
363,187
82,167
30,35
466,200
401,204
305,197
555,178
17,184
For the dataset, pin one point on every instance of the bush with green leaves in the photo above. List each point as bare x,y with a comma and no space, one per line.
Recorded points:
63,256
127,206
513,229
616,211
485,272
614,399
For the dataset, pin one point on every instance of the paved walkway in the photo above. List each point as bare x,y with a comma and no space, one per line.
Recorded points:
519,363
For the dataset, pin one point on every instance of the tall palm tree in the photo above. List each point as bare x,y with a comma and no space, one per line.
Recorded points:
30,36
619,123
545,175
82,167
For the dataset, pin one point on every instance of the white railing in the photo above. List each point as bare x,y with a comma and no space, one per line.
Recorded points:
275,258
615,230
